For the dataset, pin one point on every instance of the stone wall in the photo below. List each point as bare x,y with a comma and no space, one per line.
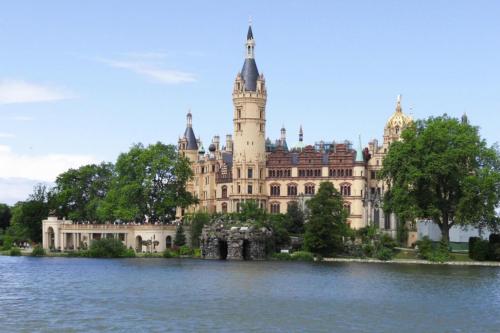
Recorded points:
236,243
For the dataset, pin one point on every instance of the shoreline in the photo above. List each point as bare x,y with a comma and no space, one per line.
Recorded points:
414,261
327,260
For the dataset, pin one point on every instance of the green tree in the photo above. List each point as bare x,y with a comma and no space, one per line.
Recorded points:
196,223
294,218
79,192
326,223
180,238
5,215
444,171
250,210
150,182
27,216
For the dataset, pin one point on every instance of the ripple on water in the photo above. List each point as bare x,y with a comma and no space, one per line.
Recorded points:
158,295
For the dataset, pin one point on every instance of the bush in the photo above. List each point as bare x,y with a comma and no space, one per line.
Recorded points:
282,256
387,241
185,250
472,241
480,250
368,250
302,256
197,253
107,248
494,238
7,242
168,253
38,251
384,253
425,248
15,251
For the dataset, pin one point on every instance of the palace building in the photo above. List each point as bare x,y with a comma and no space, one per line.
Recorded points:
249,166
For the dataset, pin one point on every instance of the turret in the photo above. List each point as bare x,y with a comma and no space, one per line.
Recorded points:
188,145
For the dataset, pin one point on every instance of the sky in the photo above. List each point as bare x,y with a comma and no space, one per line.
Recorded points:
81,81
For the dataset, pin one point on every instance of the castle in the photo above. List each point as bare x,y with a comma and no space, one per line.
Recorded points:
273,174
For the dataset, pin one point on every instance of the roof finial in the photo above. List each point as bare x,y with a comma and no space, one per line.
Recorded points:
250,20
398,105
189,118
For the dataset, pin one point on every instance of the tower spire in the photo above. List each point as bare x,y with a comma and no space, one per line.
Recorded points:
301,134
359,153
398,104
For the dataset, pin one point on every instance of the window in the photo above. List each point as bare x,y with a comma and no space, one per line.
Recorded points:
292,189
262,127
345,190
347,208
224,192
376,217
239,188
373,175
250,188
238,205
309,189
387,221
275,208
238,173
239,113
250,173
224,207
332,173
275,190
261,111
238,127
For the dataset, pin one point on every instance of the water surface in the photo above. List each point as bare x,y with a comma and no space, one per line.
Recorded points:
173,295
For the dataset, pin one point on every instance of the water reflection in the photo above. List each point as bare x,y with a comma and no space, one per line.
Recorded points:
82,295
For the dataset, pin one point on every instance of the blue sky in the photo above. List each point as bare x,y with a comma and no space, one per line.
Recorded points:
82,81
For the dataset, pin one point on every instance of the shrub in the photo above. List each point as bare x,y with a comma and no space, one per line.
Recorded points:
387,241
282,256
495,251
368,250
472,241
302,256
480,250
38,251
15,251
170,254
197,253
384,253
7,242
425,248
107,248
494,238
185,250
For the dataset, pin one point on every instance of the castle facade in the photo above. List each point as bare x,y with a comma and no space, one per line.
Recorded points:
249,166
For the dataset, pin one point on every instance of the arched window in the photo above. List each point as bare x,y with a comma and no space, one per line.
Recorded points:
347,207
292,189
224,207
309,189
275,208
345,189
275,190
224,192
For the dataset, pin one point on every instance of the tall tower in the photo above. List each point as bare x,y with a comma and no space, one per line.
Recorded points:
249,151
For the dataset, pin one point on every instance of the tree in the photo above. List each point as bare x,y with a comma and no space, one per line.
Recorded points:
180,238
150,182
250,210
326,221
27,216
196,223
5,215
444,171
294,219
79,192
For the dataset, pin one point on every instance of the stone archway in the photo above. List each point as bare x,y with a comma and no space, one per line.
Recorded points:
138,244
51,237
168,242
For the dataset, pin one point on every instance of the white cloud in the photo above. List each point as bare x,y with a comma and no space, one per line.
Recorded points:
6,135
13,190
18,91
147,64
38,167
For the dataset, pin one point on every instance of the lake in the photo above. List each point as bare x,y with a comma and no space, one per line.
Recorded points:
184,295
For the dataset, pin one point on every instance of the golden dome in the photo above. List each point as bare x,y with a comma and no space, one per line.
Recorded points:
398,120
